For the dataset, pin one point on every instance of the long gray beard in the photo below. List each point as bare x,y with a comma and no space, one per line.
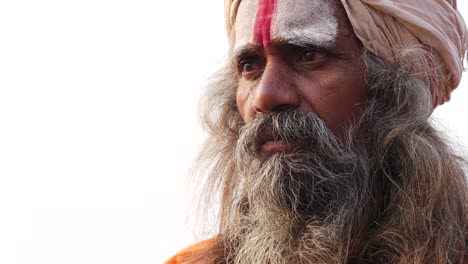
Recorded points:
297,206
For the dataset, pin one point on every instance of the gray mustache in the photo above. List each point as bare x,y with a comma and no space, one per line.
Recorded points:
288,126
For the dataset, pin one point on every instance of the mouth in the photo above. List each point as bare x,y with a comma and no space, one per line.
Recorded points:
272,146
268,143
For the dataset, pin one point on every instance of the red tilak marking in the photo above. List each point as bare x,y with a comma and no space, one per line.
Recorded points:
262,30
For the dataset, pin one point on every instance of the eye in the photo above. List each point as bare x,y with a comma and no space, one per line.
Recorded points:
312,57
249,67
308,56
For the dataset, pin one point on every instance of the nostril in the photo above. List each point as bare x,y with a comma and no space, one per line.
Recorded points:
283,108
257,109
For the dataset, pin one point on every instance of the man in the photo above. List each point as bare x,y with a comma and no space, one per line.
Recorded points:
320,146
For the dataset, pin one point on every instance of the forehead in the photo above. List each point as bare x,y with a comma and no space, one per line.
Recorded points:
263,21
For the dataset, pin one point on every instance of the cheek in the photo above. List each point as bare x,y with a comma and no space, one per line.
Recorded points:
337,99
242,99
355,87
347,105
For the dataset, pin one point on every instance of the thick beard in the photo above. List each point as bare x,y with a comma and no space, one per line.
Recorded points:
401,197
301,201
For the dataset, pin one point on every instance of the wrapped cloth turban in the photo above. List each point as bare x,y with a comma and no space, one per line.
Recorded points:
428,37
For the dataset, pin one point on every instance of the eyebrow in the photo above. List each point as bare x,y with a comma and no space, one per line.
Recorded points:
246,50
303,42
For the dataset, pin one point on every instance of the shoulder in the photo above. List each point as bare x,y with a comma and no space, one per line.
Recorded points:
195,250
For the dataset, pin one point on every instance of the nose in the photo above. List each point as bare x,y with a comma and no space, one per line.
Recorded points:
276,90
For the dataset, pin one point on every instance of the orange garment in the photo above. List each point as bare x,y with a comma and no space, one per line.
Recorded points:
199,248
184,255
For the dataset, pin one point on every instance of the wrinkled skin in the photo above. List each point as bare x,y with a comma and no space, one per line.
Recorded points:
305,73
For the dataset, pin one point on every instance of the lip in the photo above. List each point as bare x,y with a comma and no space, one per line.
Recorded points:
271,146
268,143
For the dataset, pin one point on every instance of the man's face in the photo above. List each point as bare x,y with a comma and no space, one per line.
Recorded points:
299,55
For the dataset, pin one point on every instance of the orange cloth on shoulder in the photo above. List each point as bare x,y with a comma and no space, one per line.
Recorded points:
181,257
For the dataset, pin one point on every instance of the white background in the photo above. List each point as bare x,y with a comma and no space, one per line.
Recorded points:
98,126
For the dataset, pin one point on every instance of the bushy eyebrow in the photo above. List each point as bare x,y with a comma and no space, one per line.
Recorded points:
300,42
246,51
304,42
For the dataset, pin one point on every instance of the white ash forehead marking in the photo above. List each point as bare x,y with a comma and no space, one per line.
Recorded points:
310,21
245,23
298,21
